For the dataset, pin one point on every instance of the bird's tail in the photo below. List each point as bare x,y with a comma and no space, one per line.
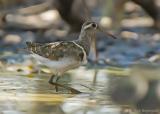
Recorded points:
33,47
31,44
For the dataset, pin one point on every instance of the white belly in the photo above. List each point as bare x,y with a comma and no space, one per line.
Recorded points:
61,65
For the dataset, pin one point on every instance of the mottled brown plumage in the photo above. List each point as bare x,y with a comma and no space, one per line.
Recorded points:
57,50
65,55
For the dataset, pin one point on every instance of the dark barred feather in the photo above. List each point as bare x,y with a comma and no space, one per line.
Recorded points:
56,50
33,47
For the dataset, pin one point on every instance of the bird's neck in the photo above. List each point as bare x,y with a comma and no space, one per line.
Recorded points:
85,40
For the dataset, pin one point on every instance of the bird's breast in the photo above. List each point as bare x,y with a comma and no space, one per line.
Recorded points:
65,63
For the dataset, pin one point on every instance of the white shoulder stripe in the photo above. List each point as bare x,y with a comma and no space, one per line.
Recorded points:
84,52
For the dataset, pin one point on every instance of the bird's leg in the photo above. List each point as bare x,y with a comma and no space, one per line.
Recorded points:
51,81
60,85
56,87
54,81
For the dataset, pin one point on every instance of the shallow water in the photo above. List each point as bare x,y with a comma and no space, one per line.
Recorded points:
25,94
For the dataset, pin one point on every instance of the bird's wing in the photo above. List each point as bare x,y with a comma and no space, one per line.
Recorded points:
57,50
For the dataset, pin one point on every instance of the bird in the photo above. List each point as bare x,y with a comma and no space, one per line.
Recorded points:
63,56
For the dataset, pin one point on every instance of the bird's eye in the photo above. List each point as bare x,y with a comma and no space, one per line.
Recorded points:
94,25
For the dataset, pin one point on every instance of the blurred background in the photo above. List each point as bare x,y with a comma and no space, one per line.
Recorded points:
122,78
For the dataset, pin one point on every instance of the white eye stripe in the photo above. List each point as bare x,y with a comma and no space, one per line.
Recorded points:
93,25
87,26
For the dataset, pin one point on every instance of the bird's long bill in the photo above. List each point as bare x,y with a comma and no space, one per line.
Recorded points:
106,33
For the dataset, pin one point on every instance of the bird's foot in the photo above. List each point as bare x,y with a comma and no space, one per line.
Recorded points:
54,79
73,91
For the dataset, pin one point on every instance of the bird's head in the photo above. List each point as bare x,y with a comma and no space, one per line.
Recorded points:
92,27
89,26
